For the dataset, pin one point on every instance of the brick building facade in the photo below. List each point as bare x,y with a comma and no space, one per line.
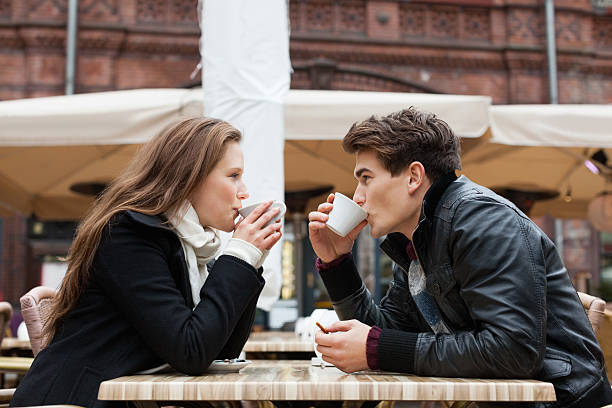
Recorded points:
487,47
483,47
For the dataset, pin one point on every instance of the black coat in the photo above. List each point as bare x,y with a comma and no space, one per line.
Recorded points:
136,313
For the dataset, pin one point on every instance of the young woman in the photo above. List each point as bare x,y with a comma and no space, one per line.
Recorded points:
138,293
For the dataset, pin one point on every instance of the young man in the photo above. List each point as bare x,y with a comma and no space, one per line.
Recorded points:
478,289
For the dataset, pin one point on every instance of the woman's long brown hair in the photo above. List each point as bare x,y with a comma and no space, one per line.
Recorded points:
161,177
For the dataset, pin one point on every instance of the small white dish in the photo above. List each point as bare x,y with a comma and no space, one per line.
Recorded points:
318,362
245,211
228,366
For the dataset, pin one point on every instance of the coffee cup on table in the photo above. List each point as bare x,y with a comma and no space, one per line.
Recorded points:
345,215
325,318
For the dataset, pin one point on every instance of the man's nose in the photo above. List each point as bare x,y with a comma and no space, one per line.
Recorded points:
359,197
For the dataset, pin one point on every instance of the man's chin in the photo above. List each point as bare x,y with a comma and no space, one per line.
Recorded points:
374,233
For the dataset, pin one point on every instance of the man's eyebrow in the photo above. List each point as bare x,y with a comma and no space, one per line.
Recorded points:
359,172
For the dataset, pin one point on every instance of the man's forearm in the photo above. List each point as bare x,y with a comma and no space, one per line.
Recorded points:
349,296
340,277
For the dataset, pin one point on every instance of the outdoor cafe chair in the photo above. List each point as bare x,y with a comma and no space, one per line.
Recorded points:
595,309
5,399
6,311
35,309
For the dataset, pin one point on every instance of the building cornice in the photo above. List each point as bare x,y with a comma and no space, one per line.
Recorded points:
53,37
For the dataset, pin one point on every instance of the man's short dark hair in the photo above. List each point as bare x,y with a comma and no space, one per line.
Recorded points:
403,137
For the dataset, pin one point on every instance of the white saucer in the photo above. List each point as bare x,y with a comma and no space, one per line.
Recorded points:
228,366
316,361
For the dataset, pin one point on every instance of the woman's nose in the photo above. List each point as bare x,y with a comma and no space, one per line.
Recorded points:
242,193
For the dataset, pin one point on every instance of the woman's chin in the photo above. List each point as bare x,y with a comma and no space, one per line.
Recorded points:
228,228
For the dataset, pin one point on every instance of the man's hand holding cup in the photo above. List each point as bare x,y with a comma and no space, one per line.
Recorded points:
334,226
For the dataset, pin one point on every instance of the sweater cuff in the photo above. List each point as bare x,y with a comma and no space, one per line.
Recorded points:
322,266
262,259
372,347
396,350
243,250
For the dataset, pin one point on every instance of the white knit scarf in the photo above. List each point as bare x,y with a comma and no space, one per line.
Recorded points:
200,245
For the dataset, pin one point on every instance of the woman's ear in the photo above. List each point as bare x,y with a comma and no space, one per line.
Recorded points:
416,176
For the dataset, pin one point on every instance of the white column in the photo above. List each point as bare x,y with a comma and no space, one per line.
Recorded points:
246,75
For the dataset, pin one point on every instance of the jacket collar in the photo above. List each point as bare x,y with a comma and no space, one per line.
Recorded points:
395,248
433,195
395,243
155,221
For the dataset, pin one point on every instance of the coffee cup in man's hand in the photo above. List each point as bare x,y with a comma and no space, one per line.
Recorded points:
345,215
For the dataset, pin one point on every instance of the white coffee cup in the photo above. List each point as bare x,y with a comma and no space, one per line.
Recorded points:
324,316
245,211
345,215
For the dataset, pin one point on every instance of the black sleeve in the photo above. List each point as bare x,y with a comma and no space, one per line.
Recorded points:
241,333
352,300
134,271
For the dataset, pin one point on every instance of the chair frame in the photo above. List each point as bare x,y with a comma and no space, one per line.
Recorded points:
595,309
34,317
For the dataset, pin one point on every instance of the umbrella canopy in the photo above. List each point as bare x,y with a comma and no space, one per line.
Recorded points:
48,145
543,148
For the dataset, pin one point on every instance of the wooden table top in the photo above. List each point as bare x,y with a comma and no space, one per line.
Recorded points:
272,341
18,364
9,343
292,380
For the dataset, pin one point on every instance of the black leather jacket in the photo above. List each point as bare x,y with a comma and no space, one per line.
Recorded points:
501,288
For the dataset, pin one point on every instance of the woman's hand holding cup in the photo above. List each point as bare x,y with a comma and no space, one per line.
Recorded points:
327,244
256,227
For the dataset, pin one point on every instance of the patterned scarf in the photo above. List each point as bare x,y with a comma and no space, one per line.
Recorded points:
424,300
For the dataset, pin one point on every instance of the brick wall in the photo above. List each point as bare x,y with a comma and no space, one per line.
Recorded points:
490,47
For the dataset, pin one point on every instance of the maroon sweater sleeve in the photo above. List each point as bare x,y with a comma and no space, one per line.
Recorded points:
372,347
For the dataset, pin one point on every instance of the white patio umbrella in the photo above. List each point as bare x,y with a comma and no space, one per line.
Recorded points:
49,144
546,147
